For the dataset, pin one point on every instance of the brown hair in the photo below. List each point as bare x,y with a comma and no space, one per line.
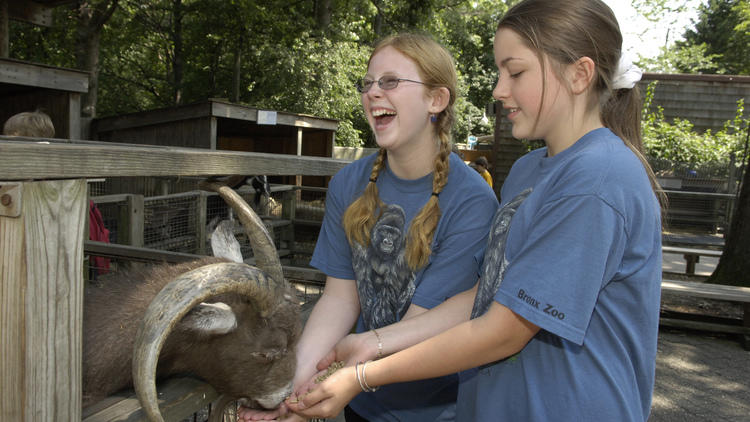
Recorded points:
436,68
565,31
29,123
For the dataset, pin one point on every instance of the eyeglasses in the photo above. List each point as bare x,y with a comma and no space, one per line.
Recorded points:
385,83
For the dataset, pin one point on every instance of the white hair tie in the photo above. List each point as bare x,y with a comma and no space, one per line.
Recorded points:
627,73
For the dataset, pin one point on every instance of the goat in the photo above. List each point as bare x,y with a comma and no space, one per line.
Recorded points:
242,343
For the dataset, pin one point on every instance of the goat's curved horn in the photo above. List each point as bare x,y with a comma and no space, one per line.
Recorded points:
174,301
264,251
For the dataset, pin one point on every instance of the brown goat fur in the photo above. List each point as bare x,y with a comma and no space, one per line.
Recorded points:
257,355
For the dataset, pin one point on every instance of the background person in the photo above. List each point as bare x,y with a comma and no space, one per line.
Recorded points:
482,167
34,124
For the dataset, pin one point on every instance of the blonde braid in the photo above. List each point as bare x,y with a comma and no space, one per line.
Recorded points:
423,226
360,216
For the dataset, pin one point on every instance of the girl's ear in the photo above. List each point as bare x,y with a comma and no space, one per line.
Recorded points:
581,74
440,99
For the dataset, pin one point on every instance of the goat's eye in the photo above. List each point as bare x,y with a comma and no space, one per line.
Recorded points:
269,355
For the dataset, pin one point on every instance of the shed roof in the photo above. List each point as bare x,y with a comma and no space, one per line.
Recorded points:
219,108
17,75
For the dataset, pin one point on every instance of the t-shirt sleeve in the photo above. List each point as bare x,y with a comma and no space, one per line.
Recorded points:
332,254
453,266
555,273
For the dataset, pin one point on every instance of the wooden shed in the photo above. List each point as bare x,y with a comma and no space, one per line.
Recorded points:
26,86
217,124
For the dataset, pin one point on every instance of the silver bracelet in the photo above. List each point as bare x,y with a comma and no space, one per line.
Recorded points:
380,344
364,379
356,370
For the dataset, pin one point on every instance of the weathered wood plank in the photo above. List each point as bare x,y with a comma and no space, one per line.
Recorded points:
80,160
706,290
12,298
32,74
42,256
178,399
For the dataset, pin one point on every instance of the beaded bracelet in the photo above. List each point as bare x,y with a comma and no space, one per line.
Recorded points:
380,345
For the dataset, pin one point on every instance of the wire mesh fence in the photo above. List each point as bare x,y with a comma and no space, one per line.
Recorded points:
701,197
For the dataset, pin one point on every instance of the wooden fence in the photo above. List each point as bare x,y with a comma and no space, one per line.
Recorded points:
43,207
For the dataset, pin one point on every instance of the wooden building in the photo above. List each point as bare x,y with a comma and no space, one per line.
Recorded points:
26,86
217,124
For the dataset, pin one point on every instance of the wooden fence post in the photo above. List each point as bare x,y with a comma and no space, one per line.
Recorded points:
41,297
201,212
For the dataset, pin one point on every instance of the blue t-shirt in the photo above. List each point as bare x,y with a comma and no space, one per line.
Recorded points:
386,285
576,250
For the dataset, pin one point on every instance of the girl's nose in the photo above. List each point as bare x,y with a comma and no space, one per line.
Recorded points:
500,91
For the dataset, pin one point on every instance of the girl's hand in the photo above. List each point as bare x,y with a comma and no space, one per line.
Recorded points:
327,399
281,414
351,349
248,414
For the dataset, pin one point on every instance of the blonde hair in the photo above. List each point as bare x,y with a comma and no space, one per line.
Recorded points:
29,123
565,31
436,68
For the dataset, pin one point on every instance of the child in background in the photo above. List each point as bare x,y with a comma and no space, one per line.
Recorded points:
34,124
565,317
481,166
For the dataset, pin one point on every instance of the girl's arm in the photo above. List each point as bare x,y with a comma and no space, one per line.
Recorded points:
332,317
417,325
497,334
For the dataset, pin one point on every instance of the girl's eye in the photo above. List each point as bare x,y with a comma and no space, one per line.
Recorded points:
515,75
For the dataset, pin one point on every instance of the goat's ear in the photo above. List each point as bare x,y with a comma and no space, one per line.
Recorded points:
223,242
210,319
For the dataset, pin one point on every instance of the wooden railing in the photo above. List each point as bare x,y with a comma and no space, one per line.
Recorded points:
43,207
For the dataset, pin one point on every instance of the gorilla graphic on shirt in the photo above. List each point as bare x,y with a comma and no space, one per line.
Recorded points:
495,262
385,282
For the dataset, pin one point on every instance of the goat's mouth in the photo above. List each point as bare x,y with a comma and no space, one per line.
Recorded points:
269,401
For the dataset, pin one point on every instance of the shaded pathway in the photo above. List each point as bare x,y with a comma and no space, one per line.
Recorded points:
700,377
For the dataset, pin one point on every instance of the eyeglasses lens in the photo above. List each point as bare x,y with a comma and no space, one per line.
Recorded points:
384,83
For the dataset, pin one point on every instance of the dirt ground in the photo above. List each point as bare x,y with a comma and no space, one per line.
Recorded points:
700,377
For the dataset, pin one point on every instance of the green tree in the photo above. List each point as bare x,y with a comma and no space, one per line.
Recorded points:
724,27
301,57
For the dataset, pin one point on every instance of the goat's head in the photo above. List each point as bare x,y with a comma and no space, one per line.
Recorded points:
247,338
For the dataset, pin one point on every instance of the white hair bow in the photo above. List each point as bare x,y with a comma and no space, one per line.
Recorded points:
627,73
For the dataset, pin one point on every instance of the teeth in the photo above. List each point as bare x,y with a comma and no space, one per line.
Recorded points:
382,112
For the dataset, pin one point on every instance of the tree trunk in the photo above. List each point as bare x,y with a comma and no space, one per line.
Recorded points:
236,72
734,264
323,14
377,25
4,31
178,63
91,19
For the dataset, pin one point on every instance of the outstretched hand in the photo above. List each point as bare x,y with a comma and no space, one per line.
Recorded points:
327,398
281,414
351,349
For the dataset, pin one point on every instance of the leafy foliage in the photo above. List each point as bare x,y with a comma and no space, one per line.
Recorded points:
667,143
301,57
717,45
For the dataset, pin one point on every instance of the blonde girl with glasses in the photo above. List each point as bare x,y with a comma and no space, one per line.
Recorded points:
403,231
564,318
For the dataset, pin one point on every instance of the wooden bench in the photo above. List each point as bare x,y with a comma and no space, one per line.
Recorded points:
712,291
179,398
691,255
